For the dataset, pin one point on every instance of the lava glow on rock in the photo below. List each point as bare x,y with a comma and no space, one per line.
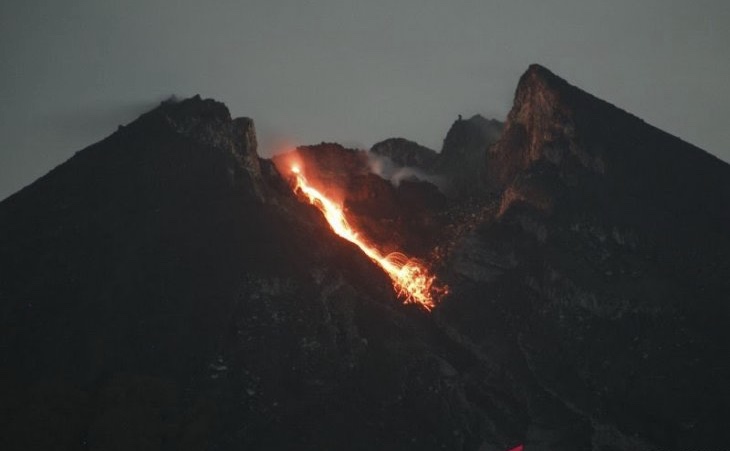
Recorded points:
411,279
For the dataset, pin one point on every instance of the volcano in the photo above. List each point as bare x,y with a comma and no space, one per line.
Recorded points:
168,289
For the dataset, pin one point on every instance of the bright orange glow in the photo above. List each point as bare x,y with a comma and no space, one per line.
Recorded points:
411,279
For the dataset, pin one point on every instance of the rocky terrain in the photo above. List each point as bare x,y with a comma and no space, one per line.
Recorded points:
165,289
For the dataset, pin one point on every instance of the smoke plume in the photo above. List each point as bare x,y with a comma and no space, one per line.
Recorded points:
389,170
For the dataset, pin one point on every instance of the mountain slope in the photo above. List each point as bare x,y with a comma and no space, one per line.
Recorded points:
165,289
604,270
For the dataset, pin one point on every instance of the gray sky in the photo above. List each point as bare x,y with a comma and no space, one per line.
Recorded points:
354,72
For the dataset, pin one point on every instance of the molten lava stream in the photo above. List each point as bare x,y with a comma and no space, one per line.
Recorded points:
411,279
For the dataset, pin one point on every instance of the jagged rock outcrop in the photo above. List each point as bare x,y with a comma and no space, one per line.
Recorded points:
459,168
209,123
462,156
541,127
468,137
165,289
603,270
589,144
403,152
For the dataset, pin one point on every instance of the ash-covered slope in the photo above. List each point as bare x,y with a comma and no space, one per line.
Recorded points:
163,289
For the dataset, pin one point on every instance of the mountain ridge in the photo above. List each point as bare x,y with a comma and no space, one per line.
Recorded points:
543,96
165,288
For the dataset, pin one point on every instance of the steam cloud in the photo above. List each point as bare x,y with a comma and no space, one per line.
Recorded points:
386,168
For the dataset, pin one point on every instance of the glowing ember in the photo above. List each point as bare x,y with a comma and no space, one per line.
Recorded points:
411,279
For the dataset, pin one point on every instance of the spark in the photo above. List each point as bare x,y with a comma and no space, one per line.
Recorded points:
411,279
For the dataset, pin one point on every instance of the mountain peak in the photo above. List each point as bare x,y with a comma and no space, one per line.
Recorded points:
165,286
194,106
404,152
546,124
540,81
583,144
537,73
209,123
178,149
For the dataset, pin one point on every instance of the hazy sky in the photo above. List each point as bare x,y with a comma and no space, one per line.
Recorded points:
354,72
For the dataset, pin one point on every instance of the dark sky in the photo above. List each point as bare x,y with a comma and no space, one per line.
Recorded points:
354,72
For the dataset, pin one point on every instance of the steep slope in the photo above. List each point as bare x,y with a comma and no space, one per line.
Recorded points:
602,280
401,217
164,289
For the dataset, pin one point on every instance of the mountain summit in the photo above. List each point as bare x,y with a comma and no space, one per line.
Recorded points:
167,288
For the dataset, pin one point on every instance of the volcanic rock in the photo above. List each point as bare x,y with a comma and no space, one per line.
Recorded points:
615,298
165,289
398,218
462,156
405,153
460,166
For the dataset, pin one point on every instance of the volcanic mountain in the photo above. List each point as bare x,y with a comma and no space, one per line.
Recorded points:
167,288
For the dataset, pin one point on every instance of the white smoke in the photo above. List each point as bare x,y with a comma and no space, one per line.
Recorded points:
387,169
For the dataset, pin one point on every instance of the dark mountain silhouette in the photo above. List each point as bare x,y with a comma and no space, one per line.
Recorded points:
165,289
607,260
460,164
406,153
462,155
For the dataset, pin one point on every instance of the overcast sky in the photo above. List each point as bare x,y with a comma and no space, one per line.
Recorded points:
355,72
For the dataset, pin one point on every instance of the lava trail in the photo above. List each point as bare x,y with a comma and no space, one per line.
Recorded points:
413,282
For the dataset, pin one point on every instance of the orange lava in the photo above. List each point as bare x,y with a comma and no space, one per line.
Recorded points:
411,279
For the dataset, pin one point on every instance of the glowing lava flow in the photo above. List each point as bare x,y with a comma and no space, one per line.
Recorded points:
411,279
